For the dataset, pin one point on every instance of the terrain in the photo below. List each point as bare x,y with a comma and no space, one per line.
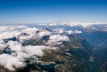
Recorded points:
55,48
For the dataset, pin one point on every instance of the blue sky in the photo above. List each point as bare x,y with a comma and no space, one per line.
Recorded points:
44,11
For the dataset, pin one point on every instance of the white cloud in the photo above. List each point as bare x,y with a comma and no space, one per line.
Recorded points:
73,32
44,33
36,50
10,62
14,45
57,39
3,45
22,33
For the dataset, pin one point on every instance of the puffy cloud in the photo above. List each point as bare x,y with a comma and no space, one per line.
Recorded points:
7,28
14,45
28,33
10,62
69,32
77,31
6,35
59,37
3,45
55,40
44,33
60,31
10,31
30,30
32,34
36,50
12,28
73,32
20,52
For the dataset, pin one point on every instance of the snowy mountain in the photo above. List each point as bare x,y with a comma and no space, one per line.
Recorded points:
21,42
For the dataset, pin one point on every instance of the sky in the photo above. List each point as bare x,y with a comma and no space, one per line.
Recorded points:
53,11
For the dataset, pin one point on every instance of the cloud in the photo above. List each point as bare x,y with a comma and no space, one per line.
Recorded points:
58,39
36,50
10,62
69,32
3,45
20,52
6,35
14,45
